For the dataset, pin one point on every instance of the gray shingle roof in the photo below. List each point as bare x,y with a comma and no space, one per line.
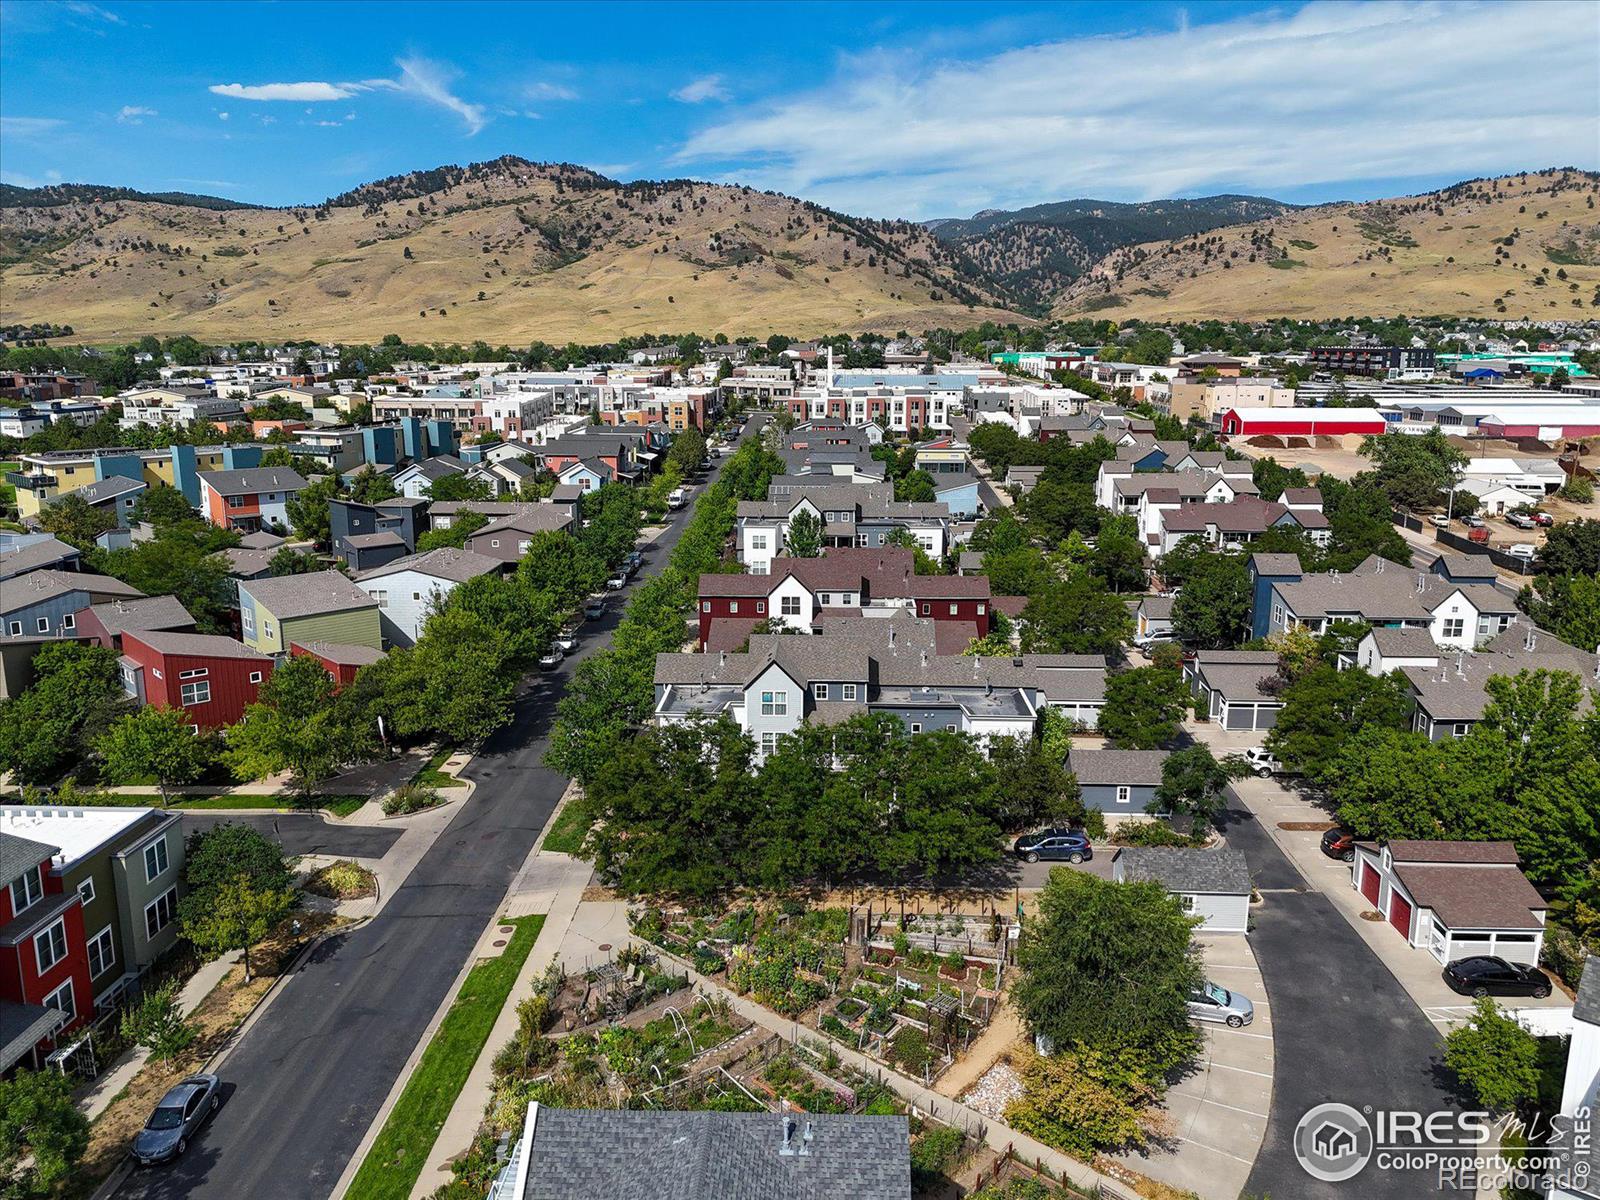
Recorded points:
290,596
1219,872
17,854
102,490
444,563
153,612
1408,641
646,1155
38,586
1587,1005
254,479
1141,768
202,645
49,552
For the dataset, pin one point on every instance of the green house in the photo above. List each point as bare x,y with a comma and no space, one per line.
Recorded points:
321,607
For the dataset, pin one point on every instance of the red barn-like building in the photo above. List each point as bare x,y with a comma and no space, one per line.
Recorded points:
1302,422
44,958
212,678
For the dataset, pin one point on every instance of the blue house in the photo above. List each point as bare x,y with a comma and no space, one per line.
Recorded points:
1117,781
1266,571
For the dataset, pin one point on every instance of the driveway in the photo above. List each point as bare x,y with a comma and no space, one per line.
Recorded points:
311,1073
304,833
1344,1029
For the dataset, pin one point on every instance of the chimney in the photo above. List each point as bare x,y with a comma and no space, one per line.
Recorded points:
1422,582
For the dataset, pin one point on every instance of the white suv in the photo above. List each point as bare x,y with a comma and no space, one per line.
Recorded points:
1262,762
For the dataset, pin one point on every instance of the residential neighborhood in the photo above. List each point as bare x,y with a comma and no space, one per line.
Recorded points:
538,681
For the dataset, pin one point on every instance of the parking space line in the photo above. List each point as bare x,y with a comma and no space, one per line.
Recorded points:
1242,1033
1249,1162
1242,1070
1207,1100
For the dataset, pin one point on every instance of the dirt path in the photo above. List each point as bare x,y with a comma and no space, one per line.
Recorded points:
1003,1032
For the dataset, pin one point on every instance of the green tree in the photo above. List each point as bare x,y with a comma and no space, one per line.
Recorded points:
1272,477
1037,788
559,565
162,506
1192,783
370,487
1495,1057
308,508
240,913
39,1121
1212,612
688,452
73,700
917,488
1108,968
1119,556
1057,506
1143,707
1075,616
1572,548
1414,471
1326,706
231,851
457,486
463,525
178,563
156,743
75,521
804,536
292,727
156,1023
1567,605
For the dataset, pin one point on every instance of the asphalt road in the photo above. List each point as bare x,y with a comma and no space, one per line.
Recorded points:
308,1078
304,833
1344,1029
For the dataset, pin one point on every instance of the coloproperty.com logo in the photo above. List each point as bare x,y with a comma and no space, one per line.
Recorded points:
1335,1143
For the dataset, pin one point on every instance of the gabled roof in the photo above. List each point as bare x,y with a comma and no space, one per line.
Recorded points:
444,563
290,596
534,518
102,490
1209,872
198,645
1467,895
340,653
1140,768
38,586
253,479
261,539
148,613
1407,641
18,854
48,552
1405,851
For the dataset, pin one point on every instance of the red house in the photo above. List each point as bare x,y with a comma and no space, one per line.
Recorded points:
338,659
212,678
846,581
44,959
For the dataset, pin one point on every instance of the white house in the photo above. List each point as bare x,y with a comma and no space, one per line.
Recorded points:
1213,885
1453,899
409,589
1577,1173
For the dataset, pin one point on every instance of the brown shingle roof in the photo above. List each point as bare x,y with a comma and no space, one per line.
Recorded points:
1474,897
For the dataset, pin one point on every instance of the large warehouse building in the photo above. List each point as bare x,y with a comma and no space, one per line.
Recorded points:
1301,422
1554,424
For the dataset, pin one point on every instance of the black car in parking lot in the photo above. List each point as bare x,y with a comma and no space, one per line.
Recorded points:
1487,975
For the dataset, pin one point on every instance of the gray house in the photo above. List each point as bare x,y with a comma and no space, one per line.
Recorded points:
45,603
1117,781
1234,685
1214,885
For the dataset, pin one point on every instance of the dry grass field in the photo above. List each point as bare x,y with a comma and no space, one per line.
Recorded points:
515,252
1445,252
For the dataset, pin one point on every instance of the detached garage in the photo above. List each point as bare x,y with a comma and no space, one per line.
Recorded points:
1453,899
1233,684
1213,885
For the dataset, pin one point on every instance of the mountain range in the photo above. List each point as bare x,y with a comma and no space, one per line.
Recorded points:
511,251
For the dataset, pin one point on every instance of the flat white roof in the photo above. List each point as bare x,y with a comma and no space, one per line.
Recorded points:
78,831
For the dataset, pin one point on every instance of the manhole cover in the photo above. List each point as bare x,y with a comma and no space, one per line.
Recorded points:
605,945
500,942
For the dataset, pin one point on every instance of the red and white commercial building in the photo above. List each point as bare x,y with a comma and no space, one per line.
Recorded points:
1453,899
1301,422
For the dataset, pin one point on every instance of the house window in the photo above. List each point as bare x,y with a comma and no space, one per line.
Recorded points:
982,608
733,607
705,606
62,1000
382,598
196,673
1124,794
102,953
86,891
758,541
50,945
255,676
819,690
863,539
774,704
1454,627
26,890
916,727
266,629
1459,729
159,913
44,624
155,859
248,620
849,598
495,542
769,743
1277,614
954,609
16,629
70,621
849,691
195,693
927,608
416,595
1187,902
789,606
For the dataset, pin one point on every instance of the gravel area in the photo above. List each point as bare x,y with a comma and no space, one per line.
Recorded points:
997,1088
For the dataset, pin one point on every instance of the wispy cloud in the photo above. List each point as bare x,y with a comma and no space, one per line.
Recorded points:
94,12
134,114
17,179
1252,103
430,82
300,92
698,91
28,127
547,90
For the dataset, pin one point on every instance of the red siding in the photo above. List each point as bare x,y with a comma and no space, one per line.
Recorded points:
722,606
1301,423
966,610
231,686
21,982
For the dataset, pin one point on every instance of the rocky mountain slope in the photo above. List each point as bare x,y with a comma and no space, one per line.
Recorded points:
1516,246
507,250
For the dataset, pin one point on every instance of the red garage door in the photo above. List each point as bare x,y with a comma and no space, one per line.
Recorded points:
1400,913
1369,882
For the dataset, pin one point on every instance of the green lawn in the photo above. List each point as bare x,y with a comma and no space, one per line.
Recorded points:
342,806
431,776
569,828
392,1166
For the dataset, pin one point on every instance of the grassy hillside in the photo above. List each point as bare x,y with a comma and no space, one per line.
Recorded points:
1497,247
509,251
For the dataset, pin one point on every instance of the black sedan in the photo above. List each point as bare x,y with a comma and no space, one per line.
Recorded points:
1340,844
1057,845
1485,975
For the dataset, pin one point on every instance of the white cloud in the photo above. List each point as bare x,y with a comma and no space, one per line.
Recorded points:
329,124
134,114
28,127
94,11
698,91
546,90
310,90
1323,95
430,82
223,116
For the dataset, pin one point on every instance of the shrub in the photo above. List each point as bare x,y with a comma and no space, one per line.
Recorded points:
410,798
156,1024
933,1154
343,880
910,1049
1148,833
1565,953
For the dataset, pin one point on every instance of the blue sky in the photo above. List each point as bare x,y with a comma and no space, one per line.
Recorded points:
881,109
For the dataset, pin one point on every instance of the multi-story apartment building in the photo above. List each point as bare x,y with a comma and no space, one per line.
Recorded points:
1380,362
